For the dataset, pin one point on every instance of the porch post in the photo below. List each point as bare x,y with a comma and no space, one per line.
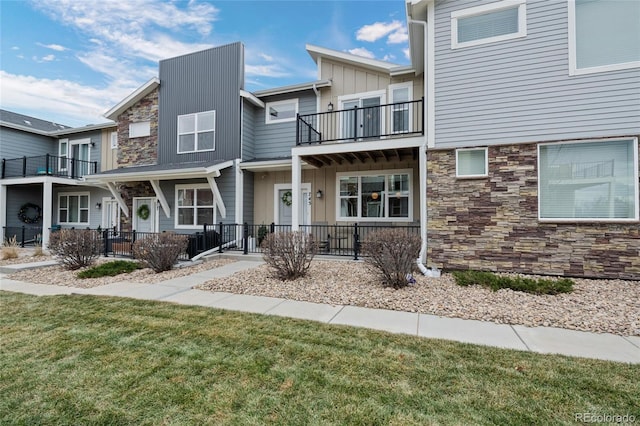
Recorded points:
47,211
296,175
3,211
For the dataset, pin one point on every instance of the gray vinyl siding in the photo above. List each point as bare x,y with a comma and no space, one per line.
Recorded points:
95,196
15,144
248,130
17,196
520,90
209,80
276,140
248,207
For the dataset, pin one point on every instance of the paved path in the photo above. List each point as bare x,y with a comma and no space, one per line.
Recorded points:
535,339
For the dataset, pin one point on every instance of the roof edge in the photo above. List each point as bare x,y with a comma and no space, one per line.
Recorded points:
293,88
134,97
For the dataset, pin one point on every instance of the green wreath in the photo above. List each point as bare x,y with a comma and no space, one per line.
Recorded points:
30,213
286,198
143,212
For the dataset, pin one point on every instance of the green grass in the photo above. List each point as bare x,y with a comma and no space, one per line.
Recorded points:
99,360
527,285
110,269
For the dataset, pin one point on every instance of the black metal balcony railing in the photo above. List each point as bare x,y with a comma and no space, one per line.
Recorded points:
47,165
362,123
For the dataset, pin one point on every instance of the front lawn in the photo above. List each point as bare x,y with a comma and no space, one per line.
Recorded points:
99,360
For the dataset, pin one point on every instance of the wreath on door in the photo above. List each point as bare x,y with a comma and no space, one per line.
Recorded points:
286,198
143,212
30,213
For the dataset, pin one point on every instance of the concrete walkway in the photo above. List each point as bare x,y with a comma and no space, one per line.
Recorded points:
535,339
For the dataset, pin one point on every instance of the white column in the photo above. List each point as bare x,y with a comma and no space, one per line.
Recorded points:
47,211
296,176
3,211
422,159
239,192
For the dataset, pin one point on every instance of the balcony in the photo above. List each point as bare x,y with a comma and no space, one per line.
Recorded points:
400,119
47,165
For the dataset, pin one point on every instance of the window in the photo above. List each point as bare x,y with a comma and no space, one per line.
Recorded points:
140,129
595,180
471,163
604,35
194,206
196,132
490,23
73,208
281,111
113,137
63,153
374,196
362,115
400,95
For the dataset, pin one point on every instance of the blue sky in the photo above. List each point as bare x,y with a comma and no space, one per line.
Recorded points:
69,61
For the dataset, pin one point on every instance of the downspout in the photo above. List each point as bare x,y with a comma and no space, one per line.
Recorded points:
422,153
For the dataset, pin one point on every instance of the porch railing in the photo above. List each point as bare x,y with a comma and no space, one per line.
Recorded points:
47,165
362,123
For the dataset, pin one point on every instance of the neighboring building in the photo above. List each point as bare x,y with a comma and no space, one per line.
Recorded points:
510,143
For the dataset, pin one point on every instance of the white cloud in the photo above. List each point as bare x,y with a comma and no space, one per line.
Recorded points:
389,57
48,58
378,30
56,47
266,57
271,70
399,36
361,51
406,52
15,48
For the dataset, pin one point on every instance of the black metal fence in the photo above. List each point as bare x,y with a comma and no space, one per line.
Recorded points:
47,165
120,243
24,235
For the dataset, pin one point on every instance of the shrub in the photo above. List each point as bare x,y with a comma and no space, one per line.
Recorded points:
10,249
75,248
392,252
109,269
160,252
289,253
527,285
38,252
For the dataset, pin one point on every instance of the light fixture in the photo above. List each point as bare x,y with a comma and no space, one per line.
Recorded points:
93,144
319,194
330,107
98,206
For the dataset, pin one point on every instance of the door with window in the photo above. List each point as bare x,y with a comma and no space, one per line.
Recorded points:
363,117
145,214
77,157
110,214
284,211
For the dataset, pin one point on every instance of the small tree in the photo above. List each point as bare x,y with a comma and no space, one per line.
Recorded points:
160,252
392,252
75,248
289,253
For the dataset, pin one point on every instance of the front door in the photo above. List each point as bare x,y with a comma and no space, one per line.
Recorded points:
110,214
145,218
284,210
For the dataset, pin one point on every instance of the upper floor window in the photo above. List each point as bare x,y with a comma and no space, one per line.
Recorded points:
113,137
140,129
489,23
588,181
196,132
604,35
281,111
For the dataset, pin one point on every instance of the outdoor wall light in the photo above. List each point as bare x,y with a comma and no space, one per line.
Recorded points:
98,206
330,107
319,194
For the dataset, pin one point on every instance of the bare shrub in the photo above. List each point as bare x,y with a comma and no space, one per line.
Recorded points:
75,248
161,251
392,252
289,253
10,249
38,252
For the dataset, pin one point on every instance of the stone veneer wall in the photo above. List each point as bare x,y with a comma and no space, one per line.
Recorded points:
492,223
144,150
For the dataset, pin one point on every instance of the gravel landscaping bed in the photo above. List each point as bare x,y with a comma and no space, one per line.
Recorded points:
25,255
602,306
56,275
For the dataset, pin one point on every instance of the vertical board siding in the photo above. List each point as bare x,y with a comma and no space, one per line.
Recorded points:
16,143
520,90
201,81
248,130
276,140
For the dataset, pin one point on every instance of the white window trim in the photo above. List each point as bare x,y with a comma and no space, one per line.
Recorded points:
113,138
63,160
79,194
392,87
358,97
486,163
176,208
86,141
599,220
573,60
492,7
385,173
195,114
267,116
139,129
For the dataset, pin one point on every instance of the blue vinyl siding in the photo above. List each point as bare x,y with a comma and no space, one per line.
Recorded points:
209,80
520,90
248,130
276,140
17,196
15,144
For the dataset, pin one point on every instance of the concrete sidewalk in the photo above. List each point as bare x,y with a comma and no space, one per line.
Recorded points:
535,339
